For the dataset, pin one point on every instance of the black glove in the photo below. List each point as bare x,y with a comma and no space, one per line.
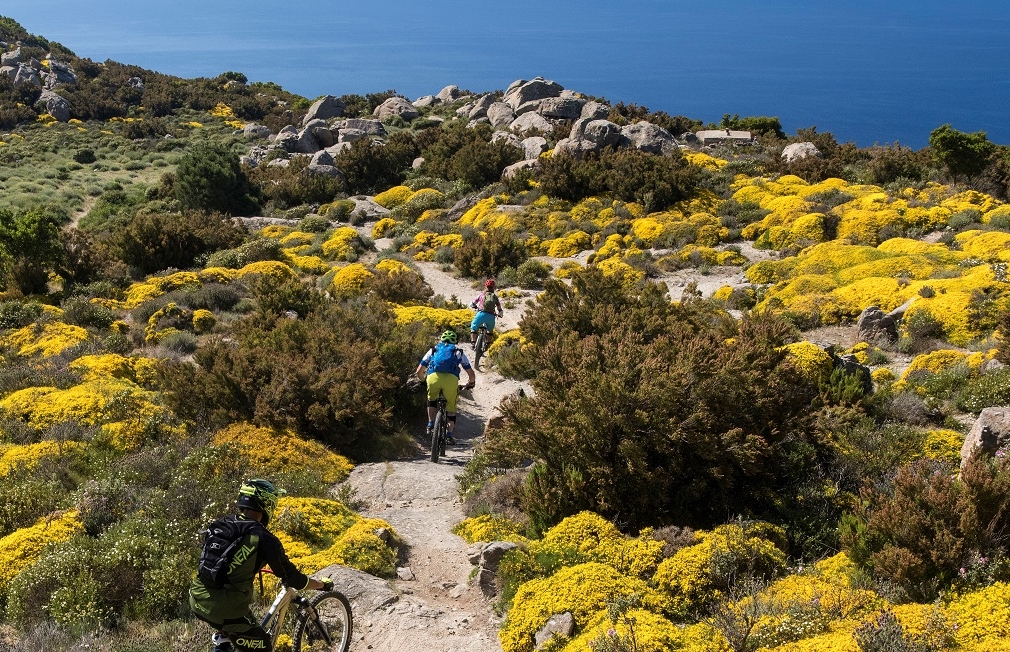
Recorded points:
327,584
468,386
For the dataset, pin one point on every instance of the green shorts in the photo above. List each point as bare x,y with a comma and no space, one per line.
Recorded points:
449,384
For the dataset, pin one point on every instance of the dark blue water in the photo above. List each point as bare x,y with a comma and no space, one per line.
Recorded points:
880,71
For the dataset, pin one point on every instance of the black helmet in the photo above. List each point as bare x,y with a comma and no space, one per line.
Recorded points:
261,496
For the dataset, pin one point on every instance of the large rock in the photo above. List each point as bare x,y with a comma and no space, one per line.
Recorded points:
534,146
797,151
135,82
481,106
306,143
500,115
492,553
425,101
255,156
537,88
26,75
990,432
321,132
322,157
370,127
648,137
287,141
602,133
449,94
530,121
55,104
12,58
557,625
567,108
350,135
56,73
875,323
323,109
254,130
508,137
515,168
595,111
396,106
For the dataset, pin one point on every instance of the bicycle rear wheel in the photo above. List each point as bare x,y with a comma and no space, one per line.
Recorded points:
331,631
437,447
478,348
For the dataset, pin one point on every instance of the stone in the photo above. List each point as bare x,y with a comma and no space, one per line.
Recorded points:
500,115
457,591
477,121
56,105
382,534
396,106
306,143
255,156
874,323
322,157
508,137
990,432
26,75
287,141
797,151
56,73
321,132
405,574
595,111
529,122
323,109
515,168
417,163
562,624
852,366
473,551
488,582
601,133
254,130
449,94
464,111
492,553
537,88
12,58
648,137
534,146
370,127
481,106
331,171
567,108
425,101
533,106
287,129
336,149
350,135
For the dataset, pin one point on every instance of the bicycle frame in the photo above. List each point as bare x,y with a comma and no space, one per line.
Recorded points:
274,617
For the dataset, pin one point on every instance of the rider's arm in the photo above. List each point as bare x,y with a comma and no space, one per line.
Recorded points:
471,379
422,367
272,552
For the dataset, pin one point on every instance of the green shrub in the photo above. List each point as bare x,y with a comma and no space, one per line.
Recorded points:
182,343
153,242
458,153
293,185
209,178
17,314
482,256
85,156
80,311
314,224
371,168
990,390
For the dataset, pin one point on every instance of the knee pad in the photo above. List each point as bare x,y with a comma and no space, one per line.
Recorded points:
432,403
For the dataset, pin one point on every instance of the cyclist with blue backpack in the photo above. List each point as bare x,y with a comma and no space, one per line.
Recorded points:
487,306
235,548
440,366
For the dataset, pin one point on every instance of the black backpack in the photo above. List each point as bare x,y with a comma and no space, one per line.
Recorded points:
220,541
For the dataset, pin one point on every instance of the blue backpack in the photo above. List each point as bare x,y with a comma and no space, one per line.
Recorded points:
445,358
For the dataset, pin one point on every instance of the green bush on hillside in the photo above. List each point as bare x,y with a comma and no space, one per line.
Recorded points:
209,178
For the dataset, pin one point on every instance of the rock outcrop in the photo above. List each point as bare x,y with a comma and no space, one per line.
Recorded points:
396,106
990,433
323,109
55,105
797,151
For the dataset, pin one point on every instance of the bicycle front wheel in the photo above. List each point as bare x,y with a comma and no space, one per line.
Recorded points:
329,631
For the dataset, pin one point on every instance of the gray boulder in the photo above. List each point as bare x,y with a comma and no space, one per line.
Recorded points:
287,141
508,137
500,115
254,130
55,104
875,323
287,129
488,582
595,111
534,146
256,156
515,168
325,171
350,135
533,106
797,151
530,121
557,625
648,137
26,75
567,108
477,121
417,163
426,101
322,157
449,94
536,89
12,58
481,106
464,111
396,106
306,143
370,127
990,432
321,132
601,133
473,552
491,554
56,73
336,149
135,82
323,109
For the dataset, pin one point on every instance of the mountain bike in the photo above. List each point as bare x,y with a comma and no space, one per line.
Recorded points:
440,432
323,622
480,345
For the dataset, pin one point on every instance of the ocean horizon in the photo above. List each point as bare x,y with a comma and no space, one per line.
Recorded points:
865,72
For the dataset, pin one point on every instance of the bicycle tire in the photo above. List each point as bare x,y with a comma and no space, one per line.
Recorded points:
436,435
478,349
334,612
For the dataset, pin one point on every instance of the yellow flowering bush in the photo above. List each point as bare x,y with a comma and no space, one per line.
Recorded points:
272,451
310,264
298,238
943,444
394,197
653,633
434,318
589,537
391,266
271,268
23,547
152,333
617,267
567,246
112,365
28,456
704,161
813,361
382,227
583,590
340,243
882,376
203,320
44,340
488,528
485,215
351,279
217,275
567,269
508,338
982,617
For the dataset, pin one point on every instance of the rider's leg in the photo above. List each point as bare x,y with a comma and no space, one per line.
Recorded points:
246,634
474,325
221,642
450,418
431,381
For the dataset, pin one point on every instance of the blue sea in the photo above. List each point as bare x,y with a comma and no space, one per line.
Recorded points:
870,72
